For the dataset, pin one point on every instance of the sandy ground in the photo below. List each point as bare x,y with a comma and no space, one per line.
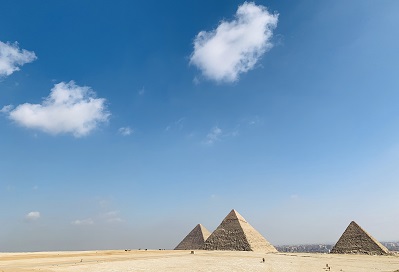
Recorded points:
155,260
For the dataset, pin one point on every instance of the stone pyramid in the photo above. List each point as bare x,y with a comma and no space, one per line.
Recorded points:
355,240
235,233
195,239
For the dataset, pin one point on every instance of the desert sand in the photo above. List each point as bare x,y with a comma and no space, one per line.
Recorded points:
169,260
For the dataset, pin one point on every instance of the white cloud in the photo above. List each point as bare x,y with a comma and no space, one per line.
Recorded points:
68,109
32,216
125,131
217,134
178,124
253,122
213,135
112,217
234,47
87,221
11,57
7,109
109,217
196,81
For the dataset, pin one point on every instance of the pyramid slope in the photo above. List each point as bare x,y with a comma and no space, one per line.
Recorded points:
355,240
195,239
235,233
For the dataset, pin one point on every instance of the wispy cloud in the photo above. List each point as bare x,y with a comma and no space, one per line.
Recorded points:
234,47
68,109
217,134
213,136
125,131
178,124
87,221
141,91
32,216
112,217
294,197
12,57
108,217
256,120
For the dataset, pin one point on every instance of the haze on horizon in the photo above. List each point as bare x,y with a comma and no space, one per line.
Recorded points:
123,125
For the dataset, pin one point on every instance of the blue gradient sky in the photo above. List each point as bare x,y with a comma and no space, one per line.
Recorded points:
300,145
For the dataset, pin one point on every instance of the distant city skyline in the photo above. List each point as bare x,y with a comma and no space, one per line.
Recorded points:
126,124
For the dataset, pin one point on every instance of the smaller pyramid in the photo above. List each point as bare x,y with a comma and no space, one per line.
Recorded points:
235,233
195,239
355,240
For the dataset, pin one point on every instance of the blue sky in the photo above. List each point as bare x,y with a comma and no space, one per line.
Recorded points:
125,124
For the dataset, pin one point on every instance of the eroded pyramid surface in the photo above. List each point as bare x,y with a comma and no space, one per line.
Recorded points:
235,233
195,239
355,240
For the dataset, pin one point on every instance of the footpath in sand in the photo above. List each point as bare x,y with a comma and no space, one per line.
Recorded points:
169,260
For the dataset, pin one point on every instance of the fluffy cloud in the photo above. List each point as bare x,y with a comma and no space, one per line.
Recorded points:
234,47
68,109
213,136
6,109
11,57
125,131
32,216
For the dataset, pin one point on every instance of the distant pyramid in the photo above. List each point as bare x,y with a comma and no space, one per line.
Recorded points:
355,240
235,233
195,239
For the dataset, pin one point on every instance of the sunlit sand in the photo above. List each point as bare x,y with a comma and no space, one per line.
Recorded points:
169,260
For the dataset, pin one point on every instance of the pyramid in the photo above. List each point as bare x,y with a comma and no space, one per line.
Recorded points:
195,239
355,240
235,233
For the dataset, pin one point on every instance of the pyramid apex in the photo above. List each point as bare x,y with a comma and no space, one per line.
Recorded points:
201,227
235,233
355,240
195,239
234,215
353,224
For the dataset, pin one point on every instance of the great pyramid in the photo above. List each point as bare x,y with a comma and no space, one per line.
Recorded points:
235,233
355,240
195,239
